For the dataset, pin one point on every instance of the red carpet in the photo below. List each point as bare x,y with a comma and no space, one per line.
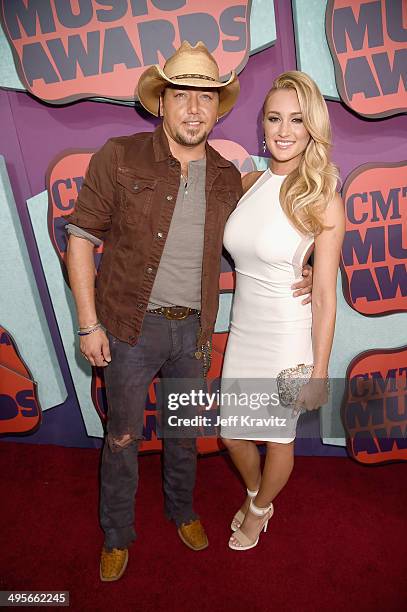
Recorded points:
336,541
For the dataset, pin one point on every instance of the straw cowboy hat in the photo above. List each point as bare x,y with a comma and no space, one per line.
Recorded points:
191,67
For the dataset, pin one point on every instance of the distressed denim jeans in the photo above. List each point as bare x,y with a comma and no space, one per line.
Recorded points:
166,347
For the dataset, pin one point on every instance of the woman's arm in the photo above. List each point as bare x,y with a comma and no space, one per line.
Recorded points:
326,263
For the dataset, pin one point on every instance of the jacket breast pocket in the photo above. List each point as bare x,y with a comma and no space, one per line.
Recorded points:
135,196
226,198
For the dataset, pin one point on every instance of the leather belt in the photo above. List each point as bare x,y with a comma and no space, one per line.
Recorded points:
176,313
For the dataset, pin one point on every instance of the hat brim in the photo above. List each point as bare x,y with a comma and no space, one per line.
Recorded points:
153,81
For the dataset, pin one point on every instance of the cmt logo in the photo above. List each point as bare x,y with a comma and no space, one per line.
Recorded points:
19,408
64,180
368,43
67,50
374,252
374,411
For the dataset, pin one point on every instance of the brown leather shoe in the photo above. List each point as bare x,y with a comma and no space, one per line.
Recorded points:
113,563
193,535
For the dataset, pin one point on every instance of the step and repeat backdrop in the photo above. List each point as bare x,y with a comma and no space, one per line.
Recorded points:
68,74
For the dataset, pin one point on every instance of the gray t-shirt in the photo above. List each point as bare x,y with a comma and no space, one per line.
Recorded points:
178,279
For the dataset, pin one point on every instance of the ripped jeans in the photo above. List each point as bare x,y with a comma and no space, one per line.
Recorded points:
167,347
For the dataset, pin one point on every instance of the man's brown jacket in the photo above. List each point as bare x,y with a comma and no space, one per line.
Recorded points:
127,200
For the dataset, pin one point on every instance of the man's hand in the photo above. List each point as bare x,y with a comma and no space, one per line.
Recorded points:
95,348
304,287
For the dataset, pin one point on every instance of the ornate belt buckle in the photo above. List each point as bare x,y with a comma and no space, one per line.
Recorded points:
184,314
172,314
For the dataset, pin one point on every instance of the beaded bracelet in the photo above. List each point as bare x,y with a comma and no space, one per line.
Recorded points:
90,331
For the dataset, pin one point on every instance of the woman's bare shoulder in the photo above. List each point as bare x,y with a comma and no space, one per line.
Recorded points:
249,179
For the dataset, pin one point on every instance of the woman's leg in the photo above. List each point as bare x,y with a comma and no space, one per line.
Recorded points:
276,472
246,458
277,469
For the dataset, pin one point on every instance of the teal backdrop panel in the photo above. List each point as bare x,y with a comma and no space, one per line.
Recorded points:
224,312
21,311
64,308
262,25
261,163
8,74
313,55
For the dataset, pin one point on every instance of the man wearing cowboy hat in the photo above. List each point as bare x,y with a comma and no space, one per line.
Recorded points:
159,202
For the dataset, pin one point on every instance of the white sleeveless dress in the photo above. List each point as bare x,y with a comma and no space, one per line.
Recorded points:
270,329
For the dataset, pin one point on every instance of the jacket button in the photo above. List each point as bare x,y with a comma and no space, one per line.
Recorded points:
149,270
160,234
135,187
169,198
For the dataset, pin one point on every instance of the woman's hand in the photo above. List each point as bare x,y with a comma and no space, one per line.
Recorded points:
312,395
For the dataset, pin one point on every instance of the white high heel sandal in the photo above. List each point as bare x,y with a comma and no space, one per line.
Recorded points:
239,516
245,543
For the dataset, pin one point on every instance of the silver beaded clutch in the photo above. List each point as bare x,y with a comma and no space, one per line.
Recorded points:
290,381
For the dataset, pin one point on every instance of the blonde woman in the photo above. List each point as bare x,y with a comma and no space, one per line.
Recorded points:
286,212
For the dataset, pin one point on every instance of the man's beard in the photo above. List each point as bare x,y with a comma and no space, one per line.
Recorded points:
191,138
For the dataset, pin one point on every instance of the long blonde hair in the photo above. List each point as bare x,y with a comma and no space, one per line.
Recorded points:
307,190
